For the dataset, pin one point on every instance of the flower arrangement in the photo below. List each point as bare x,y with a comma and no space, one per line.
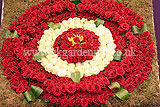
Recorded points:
122,55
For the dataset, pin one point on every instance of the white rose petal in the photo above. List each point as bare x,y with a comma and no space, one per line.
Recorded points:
61,73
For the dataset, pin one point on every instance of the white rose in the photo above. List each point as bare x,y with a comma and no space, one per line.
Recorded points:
70,20
64,66
95,70
68,74
72,65
53,61
101,67
61,73
87,73
71,70
49,67
48,43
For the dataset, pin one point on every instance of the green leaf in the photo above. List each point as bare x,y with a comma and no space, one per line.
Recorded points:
25,100
144,28
137,75
75,1
38,56
135,30
75,77
98,22
54,25
29,97
118,56
9,34
15,35
115,86
36,91
122,94
33,94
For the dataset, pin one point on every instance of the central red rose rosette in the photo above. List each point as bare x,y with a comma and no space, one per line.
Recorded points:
76,45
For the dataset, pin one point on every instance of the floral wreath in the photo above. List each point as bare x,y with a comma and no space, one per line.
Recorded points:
121,60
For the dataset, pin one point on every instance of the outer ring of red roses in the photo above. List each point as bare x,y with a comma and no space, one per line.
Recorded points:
133,70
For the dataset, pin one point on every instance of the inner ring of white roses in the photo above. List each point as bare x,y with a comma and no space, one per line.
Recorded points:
52,63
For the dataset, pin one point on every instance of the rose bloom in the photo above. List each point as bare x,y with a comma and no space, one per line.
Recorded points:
71,6
124,27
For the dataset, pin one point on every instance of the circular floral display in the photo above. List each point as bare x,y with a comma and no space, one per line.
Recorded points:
119,37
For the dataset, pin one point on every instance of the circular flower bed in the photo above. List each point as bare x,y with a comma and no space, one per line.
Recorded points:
127,30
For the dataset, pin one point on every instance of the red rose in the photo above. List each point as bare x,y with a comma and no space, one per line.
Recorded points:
52,99
97,88
124,27
22,63
81,7
86,2
31,30
112,74
101,99
95,101
65,102
122,82
71,89
144,76
40,77
46,97
125,67
78,101
83,86
50,87
69,59
16,77
47,82
58,8
5,62
71,6
116,17
139,79
56,91
84,102
27,73
27,88
76,40
90,88
14,69
71,101
127,75
19,89
121,20
105,80
120,71
148,64
15,85
146,70
129,80
129,87
149,54
8,73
